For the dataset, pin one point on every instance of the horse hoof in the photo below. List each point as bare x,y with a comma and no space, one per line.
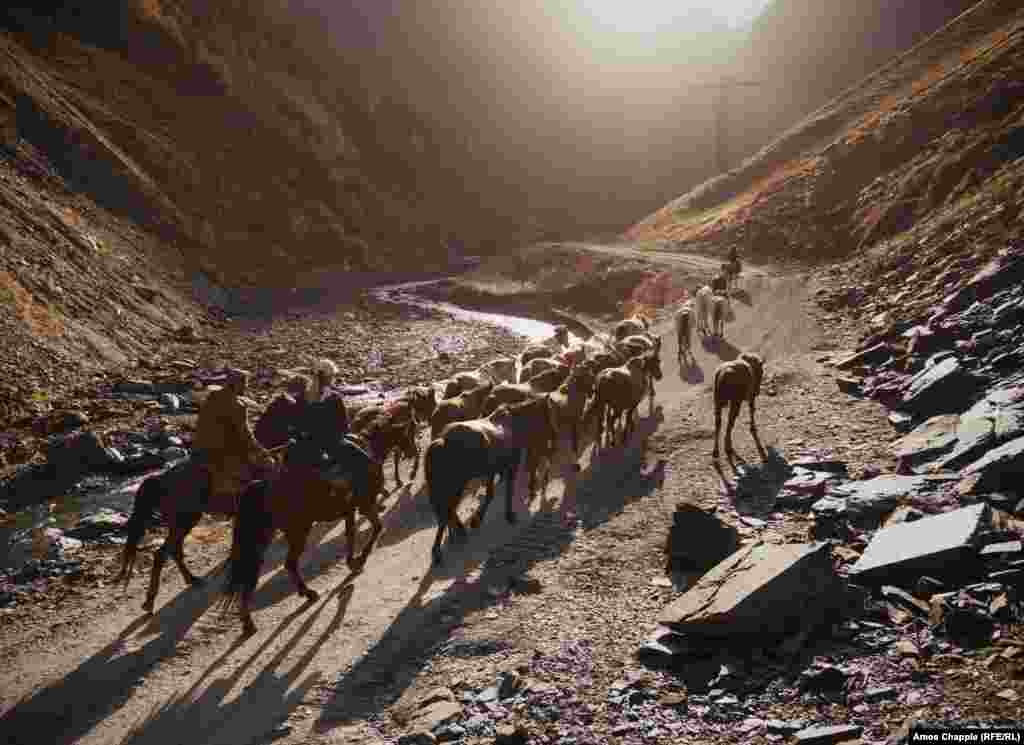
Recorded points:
147,607
248,628
311,595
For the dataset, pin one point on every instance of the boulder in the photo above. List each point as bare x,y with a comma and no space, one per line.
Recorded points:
929,440
995,419
761,589
996,471
138,387
822,735
876,496
805,487
930,544
698,540
103,522
939,389
78,453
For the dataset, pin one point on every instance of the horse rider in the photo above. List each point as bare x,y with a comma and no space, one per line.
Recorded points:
321,417
719,284
224,446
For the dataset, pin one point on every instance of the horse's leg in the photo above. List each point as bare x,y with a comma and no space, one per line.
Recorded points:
398,477
478,517
750,405
718,428
185,525
415,460
296,534
734,410
367,503
510,491
154,575
651,404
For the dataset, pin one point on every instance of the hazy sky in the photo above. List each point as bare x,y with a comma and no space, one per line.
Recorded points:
648,15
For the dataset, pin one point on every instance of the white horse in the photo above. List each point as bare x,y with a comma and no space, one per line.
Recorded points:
684,329
703,298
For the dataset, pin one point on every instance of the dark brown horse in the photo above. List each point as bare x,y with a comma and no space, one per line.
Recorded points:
413,410
484,448
175,497
301,494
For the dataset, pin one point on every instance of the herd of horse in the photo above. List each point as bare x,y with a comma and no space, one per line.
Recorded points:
483,424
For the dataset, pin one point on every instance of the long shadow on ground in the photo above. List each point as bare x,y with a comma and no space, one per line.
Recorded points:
591,497
65,710
262,705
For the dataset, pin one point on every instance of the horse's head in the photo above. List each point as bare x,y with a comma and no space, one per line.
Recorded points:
756,364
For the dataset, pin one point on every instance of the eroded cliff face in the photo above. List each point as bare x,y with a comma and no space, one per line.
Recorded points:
242,139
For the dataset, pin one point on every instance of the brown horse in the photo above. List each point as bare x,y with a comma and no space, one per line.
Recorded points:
303,494
618,392
484,448
411,410
175,498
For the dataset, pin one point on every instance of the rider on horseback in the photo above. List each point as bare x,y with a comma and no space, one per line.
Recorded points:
224,446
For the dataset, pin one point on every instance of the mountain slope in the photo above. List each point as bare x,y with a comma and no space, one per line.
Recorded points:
922,139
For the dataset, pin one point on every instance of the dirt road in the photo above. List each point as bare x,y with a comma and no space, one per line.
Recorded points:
184,674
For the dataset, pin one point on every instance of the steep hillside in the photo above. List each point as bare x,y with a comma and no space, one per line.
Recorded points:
231,130
929,141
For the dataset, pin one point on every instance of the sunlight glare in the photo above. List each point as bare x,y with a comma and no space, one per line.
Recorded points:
647,16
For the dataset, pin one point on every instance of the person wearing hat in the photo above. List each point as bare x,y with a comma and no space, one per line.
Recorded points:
224,445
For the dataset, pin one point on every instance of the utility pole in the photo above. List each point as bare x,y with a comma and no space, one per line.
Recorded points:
723,85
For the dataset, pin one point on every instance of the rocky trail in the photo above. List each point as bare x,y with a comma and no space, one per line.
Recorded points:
542,631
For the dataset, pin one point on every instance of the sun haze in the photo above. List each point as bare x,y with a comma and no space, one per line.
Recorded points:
647,16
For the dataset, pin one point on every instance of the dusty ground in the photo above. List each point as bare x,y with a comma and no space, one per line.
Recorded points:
84,665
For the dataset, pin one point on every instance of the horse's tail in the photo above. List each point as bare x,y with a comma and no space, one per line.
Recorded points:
147,503
251,534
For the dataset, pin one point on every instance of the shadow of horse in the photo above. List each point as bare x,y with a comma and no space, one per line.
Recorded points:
65,710
423,628
262,705
758,485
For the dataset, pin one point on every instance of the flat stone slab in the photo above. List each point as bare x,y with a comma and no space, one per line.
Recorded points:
992,421
998,470
929,440
881,494
923,543
761,589
819,735
938,389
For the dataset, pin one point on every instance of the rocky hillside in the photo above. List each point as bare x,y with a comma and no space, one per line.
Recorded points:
912,184
225,130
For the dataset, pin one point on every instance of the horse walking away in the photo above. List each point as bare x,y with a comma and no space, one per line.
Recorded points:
485,448
684,331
